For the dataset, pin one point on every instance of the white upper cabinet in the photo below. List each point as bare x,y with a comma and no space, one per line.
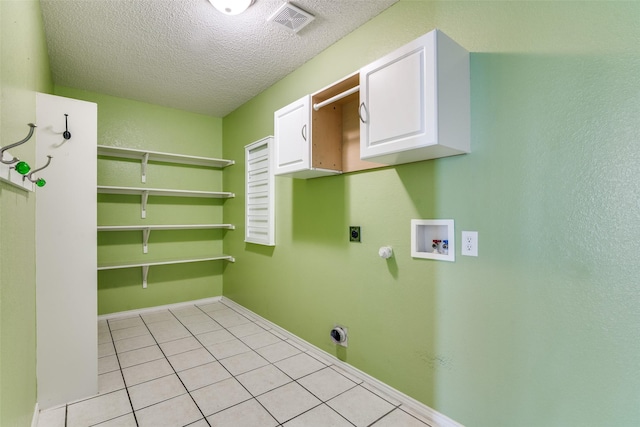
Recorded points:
411,105
319,135
303,146
415,102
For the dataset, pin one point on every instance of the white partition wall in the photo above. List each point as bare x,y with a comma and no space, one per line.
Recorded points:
66,251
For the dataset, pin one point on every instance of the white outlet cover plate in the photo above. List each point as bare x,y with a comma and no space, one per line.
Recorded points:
469,243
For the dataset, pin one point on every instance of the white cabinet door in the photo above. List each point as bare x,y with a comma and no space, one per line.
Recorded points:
414,102
393,94
292,137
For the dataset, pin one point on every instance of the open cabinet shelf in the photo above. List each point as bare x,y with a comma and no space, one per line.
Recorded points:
105,189
146,264
144,193
410,105
163,227
146,156
146,229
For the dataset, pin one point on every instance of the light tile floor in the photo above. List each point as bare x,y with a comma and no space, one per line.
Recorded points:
209,365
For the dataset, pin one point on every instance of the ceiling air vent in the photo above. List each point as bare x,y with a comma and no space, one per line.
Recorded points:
291,17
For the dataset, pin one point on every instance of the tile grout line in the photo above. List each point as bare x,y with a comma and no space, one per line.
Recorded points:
122,374
224,367
357,382
321,403
174,369
232,375
251,370
313,352
335,369
293,380
381,417
271,359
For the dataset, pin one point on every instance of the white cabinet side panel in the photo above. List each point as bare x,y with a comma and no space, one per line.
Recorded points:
415,102
66,251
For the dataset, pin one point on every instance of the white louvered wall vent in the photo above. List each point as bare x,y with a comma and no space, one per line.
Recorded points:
291,17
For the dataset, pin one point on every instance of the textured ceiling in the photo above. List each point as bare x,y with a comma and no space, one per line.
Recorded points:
184,53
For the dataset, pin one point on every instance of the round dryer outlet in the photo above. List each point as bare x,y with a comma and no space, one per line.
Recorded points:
339,335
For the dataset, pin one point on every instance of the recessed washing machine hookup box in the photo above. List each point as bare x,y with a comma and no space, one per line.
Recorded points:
433,239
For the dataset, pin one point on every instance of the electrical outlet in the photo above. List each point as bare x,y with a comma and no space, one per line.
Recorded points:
354,233
469,243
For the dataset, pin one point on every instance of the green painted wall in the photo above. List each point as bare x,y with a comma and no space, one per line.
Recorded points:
543,328
131,124
24,70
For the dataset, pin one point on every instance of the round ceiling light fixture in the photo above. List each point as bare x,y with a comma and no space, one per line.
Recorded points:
231,7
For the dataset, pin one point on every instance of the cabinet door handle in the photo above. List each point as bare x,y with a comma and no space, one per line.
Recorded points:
304,132
363,107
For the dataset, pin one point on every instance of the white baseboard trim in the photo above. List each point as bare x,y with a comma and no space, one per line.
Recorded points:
36,415
411,405
140,311
407,403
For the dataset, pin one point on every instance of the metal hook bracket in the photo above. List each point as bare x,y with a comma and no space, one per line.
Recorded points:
8,147
38,181
66,134
13,171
